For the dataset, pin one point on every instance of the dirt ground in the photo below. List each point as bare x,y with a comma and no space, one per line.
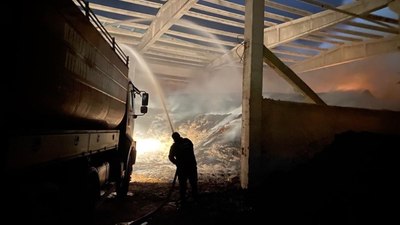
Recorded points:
353,181
218,203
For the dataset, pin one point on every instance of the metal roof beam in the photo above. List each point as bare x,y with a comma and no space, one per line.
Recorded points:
167,15
327,6
239,16
290,53
348,53
118,31
113,23
305,47
286,73
356,33
125,39
321,39
144,3
120,11
215,19
175,56
201,38
286,8
155,59
194,54
208,30
239,7
285,32
185,44
371,27
219,12
336,36
297,28
227,4
178,72
395,6
383,19
129,37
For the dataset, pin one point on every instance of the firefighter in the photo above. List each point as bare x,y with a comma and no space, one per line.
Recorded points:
182,155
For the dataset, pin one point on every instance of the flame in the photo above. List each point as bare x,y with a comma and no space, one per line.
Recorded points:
350,87
148,145
354,82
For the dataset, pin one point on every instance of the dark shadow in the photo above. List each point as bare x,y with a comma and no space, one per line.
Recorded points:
352,181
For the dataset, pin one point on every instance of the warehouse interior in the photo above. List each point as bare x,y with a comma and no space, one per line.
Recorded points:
293,108
306,92
178,39
301,55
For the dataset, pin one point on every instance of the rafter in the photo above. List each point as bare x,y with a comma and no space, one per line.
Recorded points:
286,8
305,47
356,33
167,15
201,38
144,3
121,11
285,32
348,53
188,47
371,27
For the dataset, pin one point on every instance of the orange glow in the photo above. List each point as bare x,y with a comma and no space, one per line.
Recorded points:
350,87
148,145
356,82
144,179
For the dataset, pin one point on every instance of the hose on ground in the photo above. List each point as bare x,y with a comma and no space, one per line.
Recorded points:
142,219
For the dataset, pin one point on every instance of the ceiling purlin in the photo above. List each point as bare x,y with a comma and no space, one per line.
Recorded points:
302,27
349,52
167,15
157,38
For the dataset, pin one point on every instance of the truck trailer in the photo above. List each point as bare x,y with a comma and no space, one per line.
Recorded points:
69,112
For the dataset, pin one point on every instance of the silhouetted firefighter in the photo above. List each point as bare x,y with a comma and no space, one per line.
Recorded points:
182,155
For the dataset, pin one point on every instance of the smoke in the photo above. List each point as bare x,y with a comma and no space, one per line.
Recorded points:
217,92
208,109
370,83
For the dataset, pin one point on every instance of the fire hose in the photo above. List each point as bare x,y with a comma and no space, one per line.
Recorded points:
142,219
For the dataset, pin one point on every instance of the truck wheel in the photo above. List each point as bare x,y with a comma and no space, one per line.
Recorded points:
123,185
92,190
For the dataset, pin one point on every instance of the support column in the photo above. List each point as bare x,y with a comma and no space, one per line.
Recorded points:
395,7
252,93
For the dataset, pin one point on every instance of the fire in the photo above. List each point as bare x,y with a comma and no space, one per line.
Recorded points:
352,86
148,145
355,82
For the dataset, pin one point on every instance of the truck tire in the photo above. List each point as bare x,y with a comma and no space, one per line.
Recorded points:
92,190
123,184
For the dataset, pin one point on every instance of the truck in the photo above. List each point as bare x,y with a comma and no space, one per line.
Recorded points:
69,111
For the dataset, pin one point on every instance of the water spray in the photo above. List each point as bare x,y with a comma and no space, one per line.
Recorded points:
144,65
169,119
140,59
